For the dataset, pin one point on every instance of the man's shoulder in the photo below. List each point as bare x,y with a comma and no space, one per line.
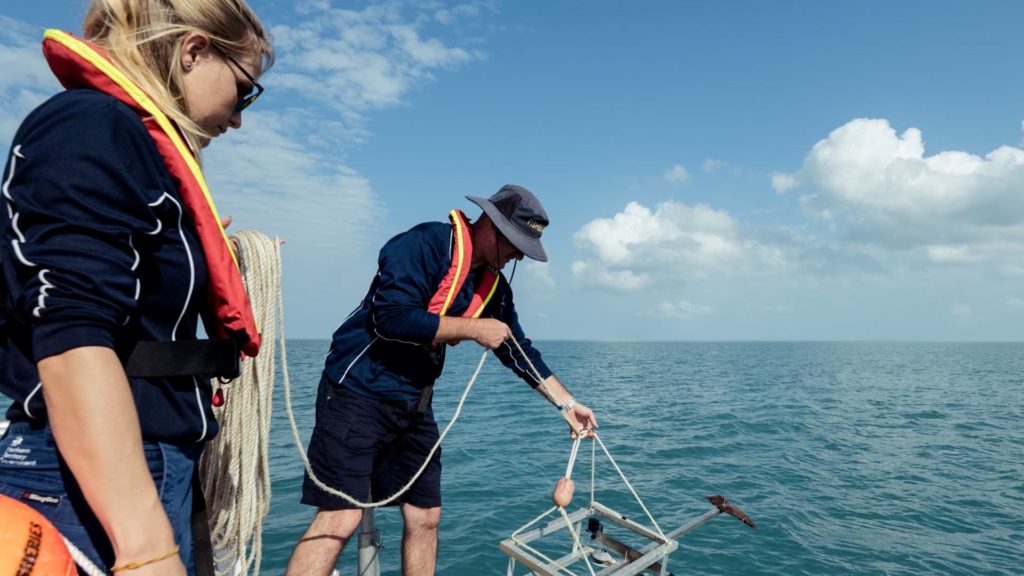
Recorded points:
423,234
425,238
442,229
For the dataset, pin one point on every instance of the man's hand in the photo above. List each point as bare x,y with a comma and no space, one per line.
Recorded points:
490,333
583,420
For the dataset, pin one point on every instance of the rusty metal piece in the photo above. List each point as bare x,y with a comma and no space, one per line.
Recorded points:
731,509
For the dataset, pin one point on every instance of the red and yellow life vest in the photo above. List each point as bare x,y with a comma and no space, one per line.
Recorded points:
80,64
462,257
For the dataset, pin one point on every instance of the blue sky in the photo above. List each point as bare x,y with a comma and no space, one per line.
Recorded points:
712,170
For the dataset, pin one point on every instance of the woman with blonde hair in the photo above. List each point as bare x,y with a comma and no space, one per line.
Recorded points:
110,252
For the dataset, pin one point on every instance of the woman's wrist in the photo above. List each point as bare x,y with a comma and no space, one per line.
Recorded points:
141,536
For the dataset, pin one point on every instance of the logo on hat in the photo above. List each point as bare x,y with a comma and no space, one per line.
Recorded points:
535,226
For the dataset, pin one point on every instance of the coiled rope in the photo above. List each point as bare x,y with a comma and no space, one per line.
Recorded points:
235,471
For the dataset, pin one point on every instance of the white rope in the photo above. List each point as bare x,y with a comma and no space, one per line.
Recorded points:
593,471
568,523
572,456
540,382
83,561
536,374
320,484
585,552
630,486
234,470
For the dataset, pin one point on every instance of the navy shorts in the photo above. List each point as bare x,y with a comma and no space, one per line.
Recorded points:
32,471
363,446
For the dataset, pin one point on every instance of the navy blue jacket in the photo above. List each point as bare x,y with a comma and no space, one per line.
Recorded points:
96,250
383,349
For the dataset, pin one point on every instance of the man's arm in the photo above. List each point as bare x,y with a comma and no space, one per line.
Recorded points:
487,332
581,418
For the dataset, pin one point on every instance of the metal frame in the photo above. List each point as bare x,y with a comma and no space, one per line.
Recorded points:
652,557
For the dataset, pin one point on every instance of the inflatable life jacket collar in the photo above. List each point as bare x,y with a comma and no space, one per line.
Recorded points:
458,272
79,64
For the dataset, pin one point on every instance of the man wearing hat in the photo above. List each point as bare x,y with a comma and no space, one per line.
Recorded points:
437,284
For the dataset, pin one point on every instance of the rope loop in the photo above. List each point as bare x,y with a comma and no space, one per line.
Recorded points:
234,470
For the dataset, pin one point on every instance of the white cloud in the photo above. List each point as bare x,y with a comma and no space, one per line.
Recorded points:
784,182
538,277
880,188
951,254
679,310
625,280
470,10
280,183
26,80
639,247
713,165
354,61
677,174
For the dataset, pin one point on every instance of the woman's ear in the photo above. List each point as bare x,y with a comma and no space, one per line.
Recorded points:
193,46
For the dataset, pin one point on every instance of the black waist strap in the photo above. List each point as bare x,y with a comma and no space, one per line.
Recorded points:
424,402
215,358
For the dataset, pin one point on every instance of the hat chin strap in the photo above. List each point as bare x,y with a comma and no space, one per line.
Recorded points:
497,252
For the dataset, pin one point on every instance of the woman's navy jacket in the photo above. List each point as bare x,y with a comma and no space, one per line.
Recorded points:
96,250
383,349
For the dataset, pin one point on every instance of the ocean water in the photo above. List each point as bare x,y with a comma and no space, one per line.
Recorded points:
853,458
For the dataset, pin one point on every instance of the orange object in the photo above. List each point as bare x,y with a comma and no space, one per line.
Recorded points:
563,492
29,544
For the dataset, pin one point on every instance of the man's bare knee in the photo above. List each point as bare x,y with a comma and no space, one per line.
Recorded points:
339,524
421,519
318,550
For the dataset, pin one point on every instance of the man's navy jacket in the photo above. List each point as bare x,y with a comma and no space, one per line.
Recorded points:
384,348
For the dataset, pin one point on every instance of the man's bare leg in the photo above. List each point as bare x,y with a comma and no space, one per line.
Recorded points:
318,550
419,540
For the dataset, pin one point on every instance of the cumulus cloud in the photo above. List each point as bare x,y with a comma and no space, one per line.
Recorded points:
677,175
679,310
880,187
639,246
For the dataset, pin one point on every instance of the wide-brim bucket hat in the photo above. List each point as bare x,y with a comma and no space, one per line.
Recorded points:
519,216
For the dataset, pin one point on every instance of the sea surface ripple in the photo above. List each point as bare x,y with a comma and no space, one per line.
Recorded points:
853,458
